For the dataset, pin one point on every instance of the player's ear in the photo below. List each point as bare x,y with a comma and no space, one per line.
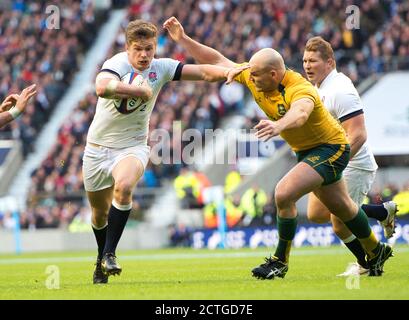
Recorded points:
331,62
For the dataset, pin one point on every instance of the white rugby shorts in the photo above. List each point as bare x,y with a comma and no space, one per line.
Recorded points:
359,183
99,161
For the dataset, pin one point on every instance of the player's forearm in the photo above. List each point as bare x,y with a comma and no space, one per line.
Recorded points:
5,117
200,52
294,118
114,89
124,90
213,73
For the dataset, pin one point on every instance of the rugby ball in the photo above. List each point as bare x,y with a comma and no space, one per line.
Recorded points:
129,105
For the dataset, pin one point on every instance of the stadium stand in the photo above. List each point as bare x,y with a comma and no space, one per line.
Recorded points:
56,192
32,53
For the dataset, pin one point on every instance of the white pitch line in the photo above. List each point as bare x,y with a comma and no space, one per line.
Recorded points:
177,256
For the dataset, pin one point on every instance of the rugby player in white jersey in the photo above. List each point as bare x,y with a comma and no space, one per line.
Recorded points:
342,100
116,152
15,104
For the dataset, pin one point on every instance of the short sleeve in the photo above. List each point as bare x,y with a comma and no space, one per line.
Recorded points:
244,76
117,65
301,92
347,104
168,68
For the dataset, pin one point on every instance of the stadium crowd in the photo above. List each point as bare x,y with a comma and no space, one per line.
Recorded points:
31,51
235,28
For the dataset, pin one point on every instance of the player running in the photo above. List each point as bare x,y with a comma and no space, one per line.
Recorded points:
340,97
116,152
297,114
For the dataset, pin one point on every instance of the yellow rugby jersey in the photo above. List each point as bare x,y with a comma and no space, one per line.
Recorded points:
320,127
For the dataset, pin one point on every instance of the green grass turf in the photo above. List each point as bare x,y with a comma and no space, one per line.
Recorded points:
178,274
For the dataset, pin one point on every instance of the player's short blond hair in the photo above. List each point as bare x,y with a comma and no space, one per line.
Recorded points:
318,44
140,29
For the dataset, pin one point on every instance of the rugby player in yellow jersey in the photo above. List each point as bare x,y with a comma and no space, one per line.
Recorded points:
297,114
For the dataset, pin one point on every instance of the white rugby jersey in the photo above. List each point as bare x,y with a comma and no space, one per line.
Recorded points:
115,127
342,100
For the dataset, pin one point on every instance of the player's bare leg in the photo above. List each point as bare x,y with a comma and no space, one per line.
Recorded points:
316,211
299,181
126,174
100,202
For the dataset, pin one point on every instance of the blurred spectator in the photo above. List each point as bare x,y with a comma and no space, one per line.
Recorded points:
203,183
234,211
187,188
269,211
9,223
232,180
402,200
388,192
30,52
179,235
233,97
81,221
149,178
210,215
252,204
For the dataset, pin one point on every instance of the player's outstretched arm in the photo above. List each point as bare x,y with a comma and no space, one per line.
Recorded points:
108,86
210,73
200,52
15,104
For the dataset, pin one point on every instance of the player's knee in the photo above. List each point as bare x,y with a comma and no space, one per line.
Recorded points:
99,218
282,198
123,189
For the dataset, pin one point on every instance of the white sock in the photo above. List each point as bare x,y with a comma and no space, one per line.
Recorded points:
122,207
349,239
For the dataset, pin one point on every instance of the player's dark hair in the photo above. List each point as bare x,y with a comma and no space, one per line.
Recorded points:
139,29
318,44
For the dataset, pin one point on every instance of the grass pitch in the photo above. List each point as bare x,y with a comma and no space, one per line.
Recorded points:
179,274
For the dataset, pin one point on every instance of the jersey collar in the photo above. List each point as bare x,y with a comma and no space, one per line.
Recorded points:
284,82
328,78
